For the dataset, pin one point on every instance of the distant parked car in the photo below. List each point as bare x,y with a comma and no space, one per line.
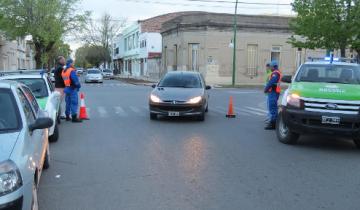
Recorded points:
108,74
52,75
24,146
80,70
94,75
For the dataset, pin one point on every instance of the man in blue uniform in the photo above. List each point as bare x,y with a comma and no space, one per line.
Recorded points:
273,90
72,87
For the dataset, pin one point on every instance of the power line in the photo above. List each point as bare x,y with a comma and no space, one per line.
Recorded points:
208,1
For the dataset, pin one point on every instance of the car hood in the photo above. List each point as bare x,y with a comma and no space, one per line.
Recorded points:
326,90
7,143
177,94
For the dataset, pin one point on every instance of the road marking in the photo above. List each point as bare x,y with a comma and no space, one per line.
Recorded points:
88,111
252,112
242,92
257,109
102,111
134,109
240,112
120,111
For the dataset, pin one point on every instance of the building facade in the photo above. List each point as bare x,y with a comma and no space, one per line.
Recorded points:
137,50
203,42
15,55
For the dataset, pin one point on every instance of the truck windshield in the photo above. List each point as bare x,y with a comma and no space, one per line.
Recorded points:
9,119
330,73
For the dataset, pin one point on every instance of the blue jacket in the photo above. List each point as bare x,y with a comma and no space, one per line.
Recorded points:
272,83
75,83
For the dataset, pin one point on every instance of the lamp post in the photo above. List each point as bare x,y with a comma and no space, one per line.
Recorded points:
234,44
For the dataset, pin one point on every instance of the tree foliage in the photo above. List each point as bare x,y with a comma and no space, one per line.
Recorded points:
328,24
47,21
91,55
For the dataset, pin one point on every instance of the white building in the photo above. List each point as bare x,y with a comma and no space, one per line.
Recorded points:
15,55
137,50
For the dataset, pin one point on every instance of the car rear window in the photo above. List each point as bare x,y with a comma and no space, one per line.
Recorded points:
9,114
330,73
94,72
36,85
181,80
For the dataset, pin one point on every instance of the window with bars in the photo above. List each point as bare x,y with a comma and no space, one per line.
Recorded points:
252,59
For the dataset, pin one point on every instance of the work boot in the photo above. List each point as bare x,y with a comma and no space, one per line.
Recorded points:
270,126
75,119
67,118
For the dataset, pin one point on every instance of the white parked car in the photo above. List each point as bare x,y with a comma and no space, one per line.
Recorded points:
94,75
44,91
24,146
108,74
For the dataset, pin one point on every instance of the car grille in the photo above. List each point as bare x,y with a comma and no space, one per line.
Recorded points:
332,106
175,108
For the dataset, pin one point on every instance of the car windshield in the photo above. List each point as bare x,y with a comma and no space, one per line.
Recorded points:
108,71
94,72
9,113
37,86
330,73
181,80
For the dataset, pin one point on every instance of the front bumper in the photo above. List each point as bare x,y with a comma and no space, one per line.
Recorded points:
165,109
302,122
93,80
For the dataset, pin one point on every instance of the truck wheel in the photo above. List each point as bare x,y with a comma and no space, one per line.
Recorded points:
153,116
55,136
357,141
284,134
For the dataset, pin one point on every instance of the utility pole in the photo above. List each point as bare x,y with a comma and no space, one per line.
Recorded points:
234,44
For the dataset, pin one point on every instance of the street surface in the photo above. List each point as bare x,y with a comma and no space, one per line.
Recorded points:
119,159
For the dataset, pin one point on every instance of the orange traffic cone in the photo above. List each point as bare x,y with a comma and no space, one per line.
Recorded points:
83,113
231,113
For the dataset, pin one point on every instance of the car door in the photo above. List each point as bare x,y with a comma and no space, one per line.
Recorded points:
54,100
38,143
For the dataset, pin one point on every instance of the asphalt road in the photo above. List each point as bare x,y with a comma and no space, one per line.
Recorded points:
119,159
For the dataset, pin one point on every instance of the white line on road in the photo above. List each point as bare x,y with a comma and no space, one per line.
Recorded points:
258,110
102,111
134,109
88,111
252,112
120,111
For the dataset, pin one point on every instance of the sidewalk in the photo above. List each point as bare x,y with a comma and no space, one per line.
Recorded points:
136,80
145,81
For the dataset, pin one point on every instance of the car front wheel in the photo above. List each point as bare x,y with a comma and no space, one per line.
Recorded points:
357,141
55,136
284,134
153,116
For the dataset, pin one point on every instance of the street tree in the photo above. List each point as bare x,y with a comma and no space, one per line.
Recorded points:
91,55
47,21
328,24
100,32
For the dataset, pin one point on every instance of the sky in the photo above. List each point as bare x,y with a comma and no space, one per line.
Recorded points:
133,10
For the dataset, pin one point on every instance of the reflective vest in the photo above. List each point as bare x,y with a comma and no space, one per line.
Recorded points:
278,88
66,76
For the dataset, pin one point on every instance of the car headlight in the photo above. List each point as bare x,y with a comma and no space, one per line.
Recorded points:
195,100
155,99
293,100
10,178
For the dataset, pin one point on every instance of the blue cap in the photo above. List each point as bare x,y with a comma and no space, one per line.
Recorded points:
274,63
69,62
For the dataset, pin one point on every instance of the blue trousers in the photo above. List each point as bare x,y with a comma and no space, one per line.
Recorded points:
72,102
272,102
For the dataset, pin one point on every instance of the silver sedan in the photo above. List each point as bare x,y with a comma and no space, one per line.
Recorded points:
94,75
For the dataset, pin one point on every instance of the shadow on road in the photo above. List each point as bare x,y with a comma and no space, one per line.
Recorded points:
327,143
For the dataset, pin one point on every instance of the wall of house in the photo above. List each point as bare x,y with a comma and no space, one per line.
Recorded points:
215,55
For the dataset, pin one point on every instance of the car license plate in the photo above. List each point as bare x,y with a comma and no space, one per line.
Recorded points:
174,114
330,120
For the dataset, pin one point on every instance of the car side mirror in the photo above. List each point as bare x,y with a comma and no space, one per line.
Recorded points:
208,87
153,86
286,78
41,123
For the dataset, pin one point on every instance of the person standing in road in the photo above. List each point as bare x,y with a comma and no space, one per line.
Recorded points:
273,90
267,78
72,87
59,83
